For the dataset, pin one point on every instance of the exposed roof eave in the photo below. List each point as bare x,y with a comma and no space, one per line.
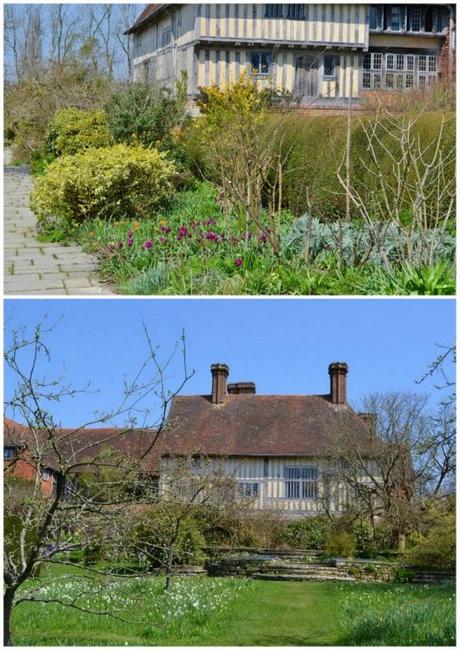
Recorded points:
150,12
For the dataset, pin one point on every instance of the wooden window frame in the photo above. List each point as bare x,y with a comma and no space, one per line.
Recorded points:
13,450
301,482
256,71
247,489
335,65
417,71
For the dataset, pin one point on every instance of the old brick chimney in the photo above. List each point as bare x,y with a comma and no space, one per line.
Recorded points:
219,372
242,388
338,375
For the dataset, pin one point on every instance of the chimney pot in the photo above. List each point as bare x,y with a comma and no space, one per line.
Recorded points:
219,372
338,376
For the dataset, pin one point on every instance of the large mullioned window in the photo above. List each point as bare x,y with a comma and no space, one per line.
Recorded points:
293,11
300,482
397,71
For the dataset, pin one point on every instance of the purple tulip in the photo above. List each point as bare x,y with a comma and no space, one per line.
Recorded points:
148,244
130,242
238,262
130,234
212,236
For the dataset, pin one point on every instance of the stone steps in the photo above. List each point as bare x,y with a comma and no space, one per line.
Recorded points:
303,577
301,569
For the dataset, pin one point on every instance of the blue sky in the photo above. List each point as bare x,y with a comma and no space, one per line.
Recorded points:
284,346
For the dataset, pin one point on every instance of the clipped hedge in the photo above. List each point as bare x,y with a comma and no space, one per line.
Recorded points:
106,183
72,130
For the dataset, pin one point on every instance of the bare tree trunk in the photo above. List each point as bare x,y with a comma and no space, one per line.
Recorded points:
8,600
347,165
169,565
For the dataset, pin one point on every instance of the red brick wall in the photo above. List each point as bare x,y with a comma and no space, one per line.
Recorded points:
22,468
447,61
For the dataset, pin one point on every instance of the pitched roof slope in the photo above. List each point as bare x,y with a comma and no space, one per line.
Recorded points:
257,425
148,13
84,445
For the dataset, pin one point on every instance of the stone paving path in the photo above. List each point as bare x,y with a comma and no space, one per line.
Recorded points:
32,267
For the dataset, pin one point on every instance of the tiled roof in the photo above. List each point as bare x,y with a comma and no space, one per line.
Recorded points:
258,425
149,12
79,446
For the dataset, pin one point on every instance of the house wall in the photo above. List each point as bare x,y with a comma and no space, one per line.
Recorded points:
268,472
220,66
213,43
21,468
405,41
323,23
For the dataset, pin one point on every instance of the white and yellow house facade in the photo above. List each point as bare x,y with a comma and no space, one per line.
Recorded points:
312,52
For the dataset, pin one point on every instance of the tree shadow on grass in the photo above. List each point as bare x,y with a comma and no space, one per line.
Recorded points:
294,640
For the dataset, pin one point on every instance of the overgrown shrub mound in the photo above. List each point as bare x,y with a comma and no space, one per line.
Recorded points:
146,114
340,544
309,533
72,130
436,549
106,183
30,102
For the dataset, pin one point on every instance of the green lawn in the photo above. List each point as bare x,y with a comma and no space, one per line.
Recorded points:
211,611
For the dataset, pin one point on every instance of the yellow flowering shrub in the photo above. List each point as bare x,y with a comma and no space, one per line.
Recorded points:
108,183
71,130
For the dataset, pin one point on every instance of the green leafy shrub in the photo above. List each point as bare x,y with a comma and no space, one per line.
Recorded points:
404,575
364,538
437,548
71,130
152,539
307,533
340,544
105,183
146,114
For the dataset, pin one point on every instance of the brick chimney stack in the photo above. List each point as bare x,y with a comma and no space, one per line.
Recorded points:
219,372
242,388
338,374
